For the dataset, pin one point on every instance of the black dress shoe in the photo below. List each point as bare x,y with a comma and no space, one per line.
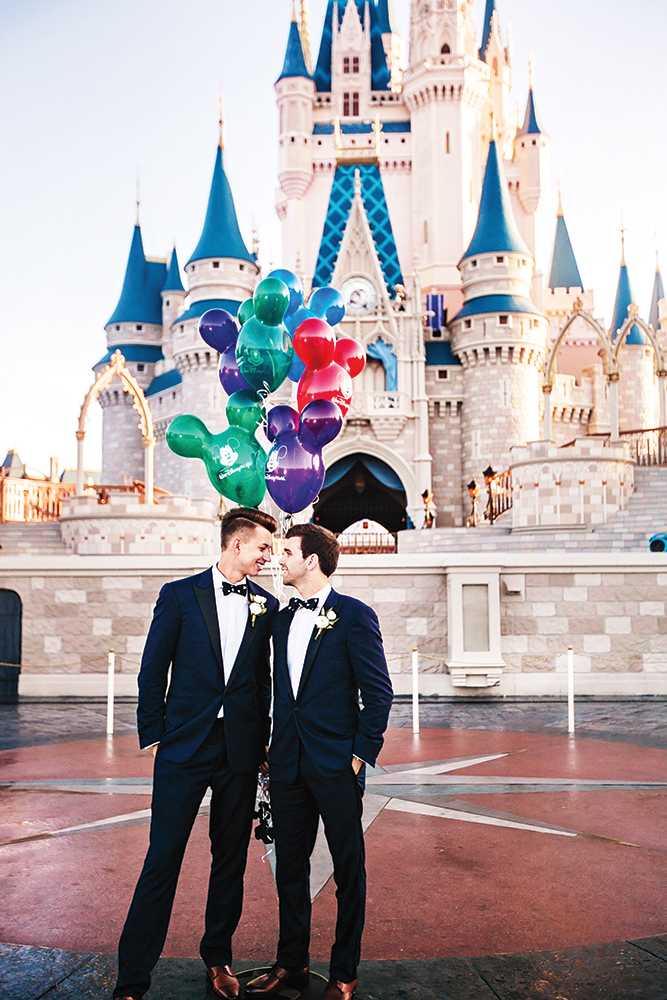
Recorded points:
221,982
276,980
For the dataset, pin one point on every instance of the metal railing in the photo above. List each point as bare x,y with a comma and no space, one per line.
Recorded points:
27,501
499,495
367,543
647,447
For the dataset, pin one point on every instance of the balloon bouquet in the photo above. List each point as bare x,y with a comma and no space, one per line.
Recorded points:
280,338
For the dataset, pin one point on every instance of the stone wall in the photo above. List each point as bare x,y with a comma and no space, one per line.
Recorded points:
610,608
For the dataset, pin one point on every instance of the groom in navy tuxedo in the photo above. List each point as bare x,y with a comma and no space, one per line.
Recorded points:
204,699
327,652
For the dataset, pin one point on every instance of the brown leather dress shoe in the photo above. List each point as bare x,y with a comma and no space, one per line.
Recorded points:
276,980
221,982
335,990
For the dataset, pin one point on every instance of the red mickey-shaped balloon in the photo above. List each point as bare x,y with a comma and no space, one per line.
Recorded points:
314,341
332,383
350,355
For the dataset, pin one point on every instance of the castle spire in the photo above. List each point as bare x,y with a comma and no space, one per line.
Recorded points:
531,125
380,75
295,60
564,269
658,294
173,282
624,298
139,300
496,228
386,19
221,236
489,12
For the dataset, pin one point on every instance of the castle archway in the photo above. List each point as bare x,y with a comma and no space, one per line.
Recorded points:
130,384
361,486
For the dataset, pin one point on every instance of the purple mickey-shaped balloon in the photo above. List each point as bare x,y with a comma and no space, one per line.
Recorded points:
320,423
218,329
281,420
230,377
294,466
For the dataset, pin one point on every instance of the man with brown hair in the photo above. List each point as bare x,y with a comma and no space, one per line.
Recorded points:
327,652
204,698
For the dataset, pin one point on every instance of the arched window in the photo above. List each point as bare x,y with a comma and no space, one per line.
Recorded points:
445,50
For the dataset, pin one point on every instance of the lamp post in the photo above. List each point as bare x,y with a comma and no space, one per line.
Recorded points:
473,490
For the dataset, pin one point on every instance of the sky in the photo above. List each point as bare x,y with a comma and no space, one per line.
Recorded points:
94,93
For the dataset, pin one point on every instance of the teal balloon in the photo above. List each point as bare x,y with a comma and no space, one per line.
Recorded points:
246,310
234,461
245,409
264,354
271,300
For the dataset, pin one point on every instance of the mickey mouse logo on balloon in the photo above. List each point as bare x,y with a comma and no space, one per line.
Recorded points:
295,467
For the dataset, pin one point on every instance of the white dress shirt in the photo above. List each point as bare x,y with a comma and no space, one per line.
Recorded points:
232,621
300,632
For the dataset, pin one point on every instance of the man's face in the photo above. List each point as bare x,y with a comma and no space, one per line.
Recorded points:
292,562
254,552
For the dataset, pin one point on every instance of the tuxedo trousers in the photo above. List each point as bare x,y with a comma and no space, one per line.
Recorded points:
296,808
178,790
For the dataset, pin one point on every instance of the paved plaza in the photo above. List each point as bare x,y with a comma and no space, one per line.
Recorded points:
506,860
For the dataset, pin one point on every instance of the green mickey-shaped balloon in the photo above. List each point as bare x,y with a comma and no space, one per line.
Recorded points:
264,347
234,459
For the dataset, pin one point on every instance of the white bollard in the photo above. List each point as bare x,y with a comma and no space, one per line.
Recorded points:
415,691
570,690
111,681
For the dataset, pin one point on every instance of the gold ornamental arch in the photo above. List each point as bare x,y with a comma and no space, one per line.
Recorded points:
118,367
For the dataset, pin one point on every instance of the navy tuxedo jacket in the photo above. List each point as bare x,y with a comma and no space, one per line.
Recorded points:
344,661
178,709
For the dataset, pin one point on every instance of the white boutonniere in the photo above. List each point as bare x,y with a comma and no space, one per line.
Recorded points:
325,620
257,607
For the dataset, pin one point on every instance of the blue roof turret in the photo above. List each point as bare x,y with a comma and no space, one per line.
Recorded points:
173,282
140,300
490,10
658,294
295,61
380,75
531,125
386,19
496,229
624,299
564,269
221,236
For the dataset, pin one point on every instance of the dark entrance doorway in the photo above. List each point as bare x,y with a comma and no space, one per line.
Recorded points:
10,645
357,487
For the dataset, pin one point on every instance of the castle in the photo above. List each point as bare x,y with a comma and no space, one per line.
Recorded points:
419,196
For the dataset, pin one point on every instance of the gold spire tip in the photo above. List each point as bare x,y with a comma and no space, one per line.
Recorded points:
294,10
531,71
623,232
221,122
138,223
560,213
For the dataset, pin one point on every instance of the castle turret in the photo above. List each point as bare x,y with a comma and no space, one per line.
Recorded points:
391,41
295,92
446,89
637,385
499,335
135,328
222,273
531,154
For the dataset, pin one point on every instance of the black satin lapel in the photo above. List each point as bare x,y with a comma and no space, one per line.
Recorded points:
206,600
284,621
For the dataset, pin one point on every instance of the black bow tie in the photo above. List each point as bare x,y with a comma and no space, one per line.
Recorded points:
234,588
296,603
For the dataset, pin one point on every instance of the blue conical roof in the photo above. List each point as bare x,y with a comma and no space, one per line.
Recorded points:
623,299
140,300
658,294
496,229
380,75
531,125
386,20
295,62
221,236
564,269
491,9
173,282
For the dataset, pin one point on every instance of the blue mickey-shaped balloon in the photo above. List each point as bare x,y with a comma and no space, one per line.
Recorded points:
295,466
294,287
327,303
